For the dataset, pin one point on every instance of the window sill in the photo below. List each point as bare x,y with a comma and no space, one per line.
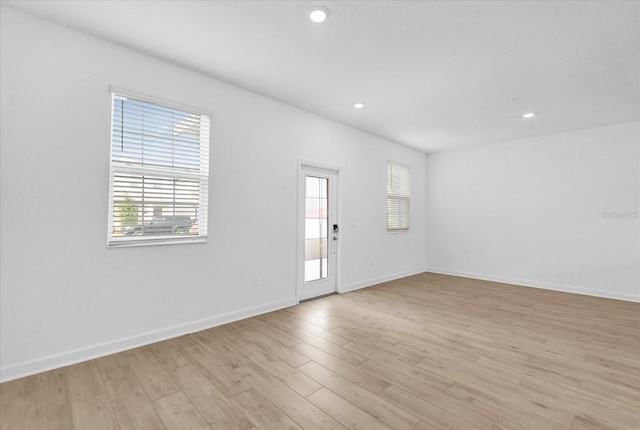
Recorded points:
156,241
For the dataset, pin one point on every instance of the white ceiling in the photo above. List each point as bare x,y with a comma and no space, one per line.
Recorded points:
434,75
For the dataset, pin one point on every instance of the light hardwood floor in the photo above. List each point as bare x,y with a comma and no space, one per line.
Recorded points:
425,352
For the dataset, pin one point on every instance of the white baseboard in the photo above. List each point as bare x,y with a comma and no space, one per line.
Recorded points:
99,350
537,284
370,282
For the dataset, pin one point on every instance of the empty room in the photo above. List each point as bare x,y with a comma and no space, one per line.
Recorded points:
319,215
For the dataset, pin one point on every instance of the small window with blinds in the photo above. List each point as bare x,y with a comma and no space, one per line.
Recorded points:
398,197
159,175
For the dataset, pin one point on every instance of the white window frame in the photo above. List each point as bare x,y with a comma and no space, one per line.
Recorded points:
122,168
398,192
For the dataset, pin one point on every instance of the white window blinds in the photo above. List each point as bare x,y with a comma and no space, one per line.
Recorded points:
159,173
398,196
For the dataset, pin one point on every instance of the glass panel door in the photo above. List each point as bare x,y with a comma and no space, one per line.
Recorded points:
318,232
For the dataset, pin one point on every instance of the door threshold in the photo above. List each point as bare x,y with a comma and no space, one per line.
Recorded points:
317,297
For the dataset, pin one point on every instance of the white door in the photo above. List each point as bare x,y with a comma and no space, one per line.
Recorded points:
318,231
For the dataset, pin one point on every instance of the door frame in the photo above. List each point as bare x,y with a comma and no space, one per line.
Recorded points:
300,200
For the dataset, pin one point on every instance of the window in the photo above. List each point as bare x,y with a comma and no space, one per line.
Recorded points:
398,196
316,232
159,175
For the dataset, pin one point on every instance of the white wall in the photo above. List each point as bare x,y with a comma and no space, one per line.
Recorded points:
557,211
66,297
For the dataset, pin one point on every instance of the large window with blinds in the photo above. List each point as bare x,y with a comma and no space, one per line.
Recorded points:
159,175
398,197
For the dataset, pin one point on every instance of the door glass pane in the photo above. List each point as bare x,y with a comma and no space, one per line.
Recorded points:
313,187
316,232
316,207
315,248
311,270
315,228
323,187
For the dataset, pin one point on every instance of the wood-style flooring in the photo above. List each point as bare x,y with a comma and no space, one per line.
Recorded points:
425,352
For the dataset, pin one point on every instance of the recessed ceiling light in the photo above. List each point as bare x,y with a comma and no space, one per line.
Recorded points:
529,115
358,105
318,14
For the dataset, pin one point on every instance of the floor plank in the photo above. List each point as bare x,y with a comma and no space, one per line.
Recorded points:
154,378
388,413
177,413
349,415
263,412
130,402
94,412
293,378
294,405
225,380
214,407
